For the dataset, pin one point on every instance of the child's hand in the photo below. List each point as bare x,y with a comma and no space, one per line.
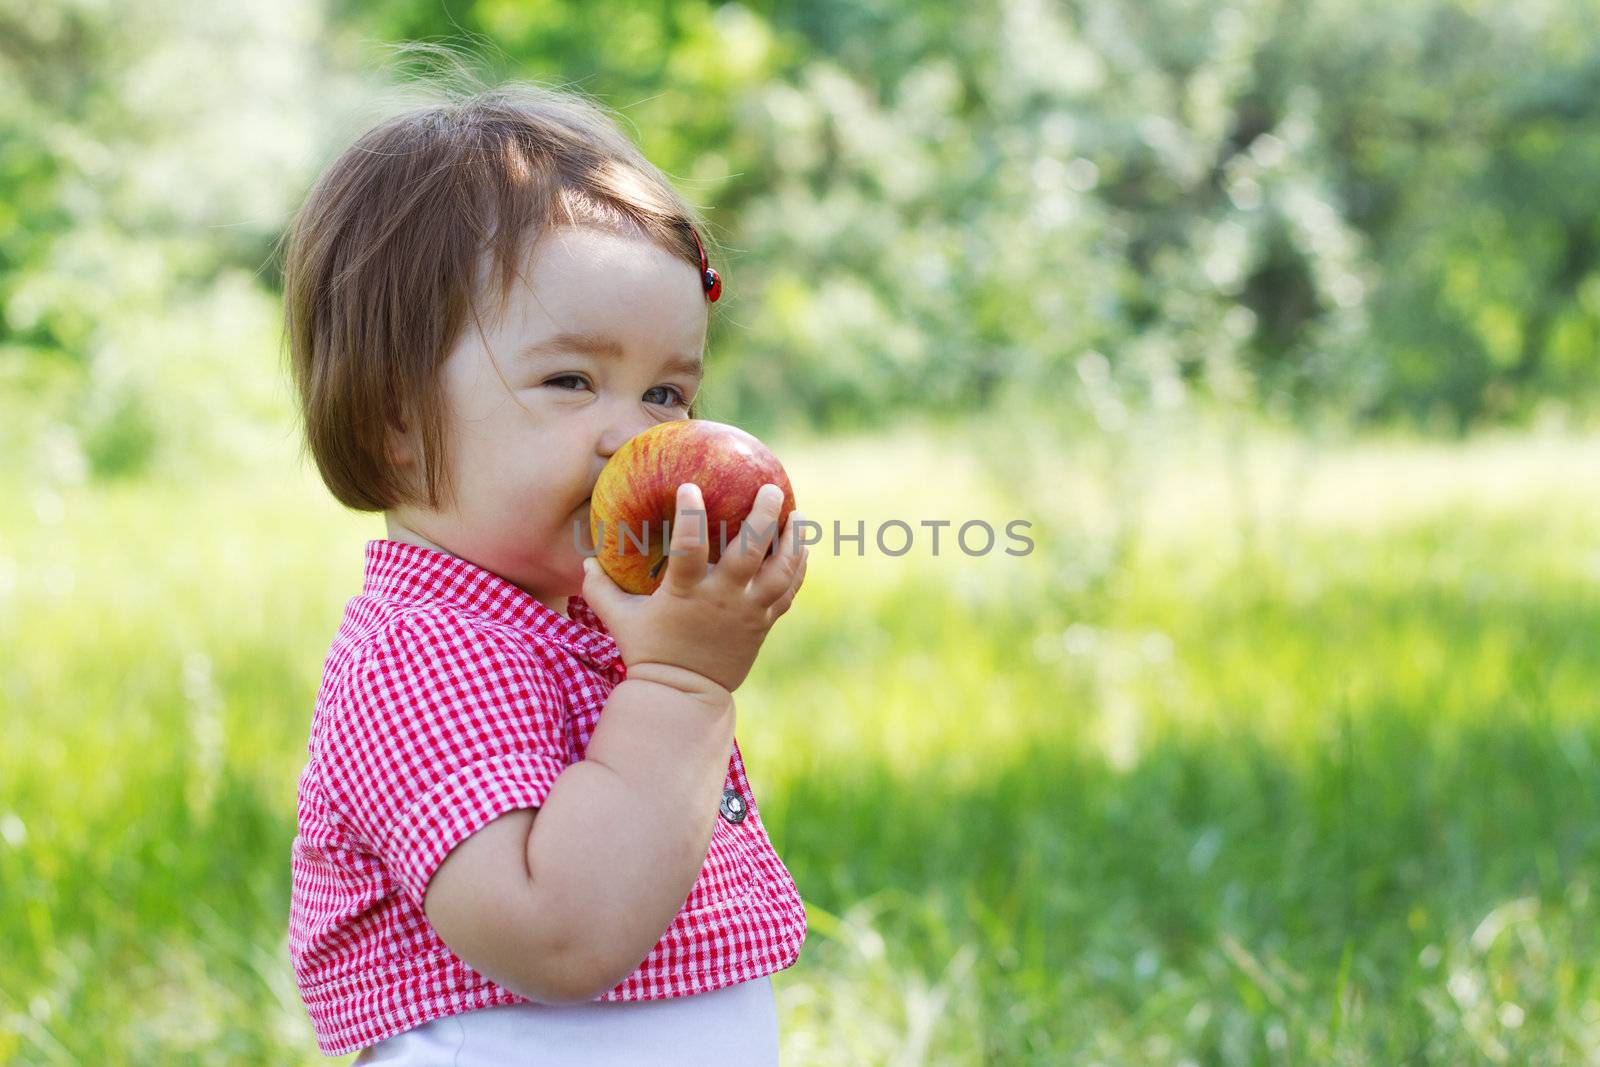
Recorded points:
707,619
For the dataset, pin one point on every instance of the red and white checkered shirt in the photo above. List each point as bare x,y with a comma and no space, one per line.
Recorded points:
449,697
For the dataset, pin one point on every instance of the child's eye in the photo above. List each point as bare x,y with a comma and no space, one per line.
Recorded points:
681,399
568,378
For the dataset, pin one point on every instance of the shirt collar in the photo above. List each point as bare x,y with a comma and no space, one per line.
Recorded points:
399,570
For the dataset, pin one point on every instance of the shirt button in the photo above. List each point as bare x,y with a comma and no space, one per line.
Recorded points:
733,807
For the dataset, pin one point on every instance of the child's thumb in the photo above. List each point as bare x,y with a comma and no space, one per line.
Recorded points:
598,588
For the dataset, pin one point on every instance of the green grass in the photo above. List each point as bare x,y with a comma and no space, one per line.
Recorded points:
1158,793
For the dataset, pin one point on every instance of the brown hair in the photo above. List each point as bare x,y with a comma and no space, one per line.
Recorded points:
383,260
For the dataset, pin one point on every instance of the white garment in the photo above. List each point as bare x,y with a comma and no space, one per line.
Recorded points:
734,1024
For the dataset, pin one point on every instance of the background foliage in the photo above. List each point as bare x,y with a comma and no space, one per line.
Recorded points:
1336,211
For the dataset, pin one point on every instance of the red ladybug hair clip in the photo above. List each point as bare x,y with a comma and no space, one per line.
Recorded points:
710,279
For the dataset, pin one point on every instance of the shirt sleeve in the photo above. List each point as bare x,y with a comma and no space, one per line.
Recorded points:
442,727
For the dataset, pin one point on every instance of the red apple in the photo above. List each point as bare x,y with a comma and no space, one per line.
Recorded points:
635,499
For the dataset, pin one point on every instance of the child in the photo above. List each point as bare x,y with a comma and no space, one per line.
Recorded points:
526,834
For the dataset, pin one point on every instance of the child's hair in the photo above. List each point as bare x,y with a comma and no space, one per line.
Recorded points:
382,267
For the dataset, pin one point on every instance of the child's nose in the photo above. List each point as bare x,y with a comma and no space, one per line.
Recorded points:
619,431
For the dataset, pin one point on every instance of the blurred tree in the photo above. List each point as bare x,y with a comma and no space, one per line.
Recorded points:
148,156
1337,210
1329,207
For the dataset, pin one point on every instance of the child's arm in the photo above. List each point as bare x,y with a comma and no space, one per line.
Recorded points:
562,907
562,902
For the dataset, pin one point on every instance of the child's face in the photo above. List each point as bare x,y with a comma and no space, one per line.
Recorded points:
525,453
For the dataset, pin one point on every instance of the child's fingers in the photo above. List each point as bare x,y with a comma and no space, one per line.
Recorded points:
778,570
599,591
689,551
781,605
742,557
